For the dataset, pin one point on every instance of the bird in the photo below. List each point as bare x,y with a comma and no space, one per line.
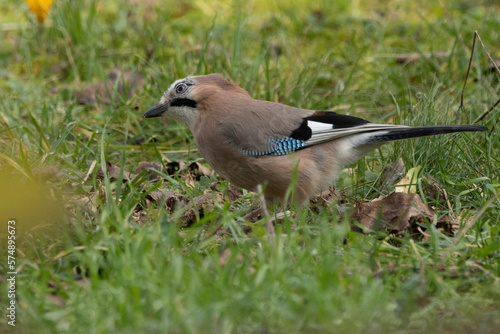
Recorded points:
254,143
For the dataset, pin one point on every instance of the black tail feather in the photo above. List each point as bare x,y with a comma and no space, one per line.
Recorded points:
420,131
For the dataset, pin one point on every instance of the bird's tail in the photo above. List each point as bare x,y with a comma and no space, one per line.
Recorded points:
420,131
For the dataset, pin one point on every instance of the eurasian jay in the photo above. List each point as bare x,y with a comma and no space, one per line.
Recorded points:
252,142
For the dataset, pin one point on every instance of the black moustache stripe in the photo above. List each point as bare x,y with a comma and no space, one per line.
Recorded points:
183,103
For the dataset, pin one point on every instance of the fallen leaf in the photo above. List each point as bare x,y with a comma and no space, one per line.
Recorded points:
451,223
233,192
120,83
173,167
399,212
113,172
189,180
172,200
140,217
146,165
408,184
198,170
200,205
40,8
327,197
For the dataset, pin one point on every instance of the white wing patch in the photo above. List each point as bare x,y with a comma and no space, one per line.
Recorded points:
318,126
321,134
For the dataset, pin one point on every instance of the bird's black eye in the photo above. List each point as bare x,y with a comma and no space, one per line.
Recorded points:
180,88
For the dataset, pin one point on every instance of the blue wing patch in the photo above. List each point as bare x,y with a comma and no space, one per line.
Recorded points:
277,147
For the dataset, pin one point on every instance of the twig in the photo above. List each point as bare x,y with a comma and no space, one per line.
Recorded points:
483,115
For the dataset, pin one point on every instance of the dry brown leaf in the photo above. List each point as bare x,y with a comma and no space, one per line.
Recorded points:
189,180
172,200
201,204
139,216
234,192
327,197
451,223
193,172
398,212
113,172
146,165
122,83
198,170
408,184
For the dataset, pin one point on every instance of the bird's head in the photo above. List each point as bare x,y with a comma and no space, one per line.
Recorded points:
186,98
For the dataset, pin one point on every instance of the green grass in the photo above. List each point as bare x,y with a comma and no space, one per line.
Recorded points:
95,269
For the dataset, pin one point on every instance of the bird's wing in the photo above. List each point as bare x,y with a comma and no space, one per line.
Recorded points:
277,129
267,128
328,125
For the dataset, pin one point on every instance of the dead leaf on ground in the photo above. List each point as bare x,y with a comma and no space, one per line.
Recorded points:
393,171
201,205
140,217
233,192
172,200
146,165
194,209
189,179
399,212
451,223
120,83
327,197
199,170
113,172
408,184
193,172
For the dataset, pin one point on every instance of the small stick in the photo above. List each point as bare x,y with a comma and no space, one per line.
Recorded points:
481,117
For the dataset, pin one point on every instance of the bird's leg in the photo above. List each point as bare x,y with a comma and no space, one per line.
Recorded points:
265,213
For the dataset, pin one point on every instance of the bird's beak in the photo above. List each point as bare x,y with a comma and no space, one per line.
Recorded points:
156,111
